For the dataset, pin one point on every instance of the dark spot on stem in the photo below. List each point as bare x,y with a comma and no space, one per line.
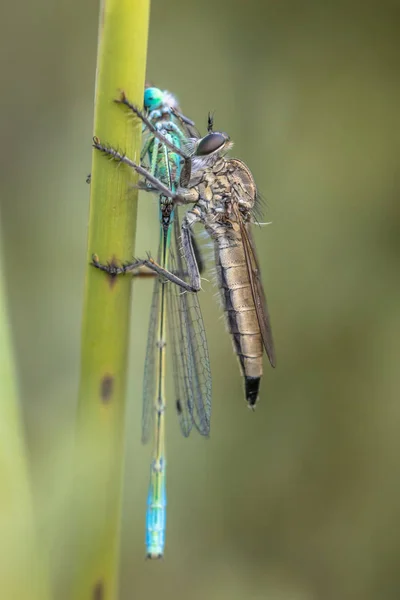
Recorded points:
107,388
98,591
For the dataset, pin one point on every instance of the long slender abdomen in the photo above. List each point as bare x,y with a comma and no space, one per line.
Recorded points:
240,310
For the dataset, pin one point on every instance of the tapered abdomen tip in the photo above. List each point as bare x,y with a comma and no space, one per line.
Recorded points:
154,556
252,386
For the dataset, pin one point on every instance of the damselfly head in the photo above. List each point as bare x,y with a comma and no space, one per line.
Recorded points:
153,98
212,143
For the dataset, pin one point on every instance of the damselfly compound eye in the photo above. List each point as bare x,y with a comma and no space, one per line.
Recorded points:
211,143
153,98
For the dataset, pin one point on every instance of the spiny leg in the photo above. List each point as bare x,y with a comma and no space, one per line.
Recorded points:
124,100
187,239
182,117
163,189
160,137
183,196
114,270
186,232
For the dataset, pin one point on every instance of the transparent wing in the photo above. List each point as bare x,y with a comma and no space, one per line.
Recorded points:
195,344
183,396
257,289
193,378
149,374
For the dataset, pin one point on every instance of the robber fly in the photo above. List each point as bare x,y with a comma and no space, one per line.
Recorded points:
223,193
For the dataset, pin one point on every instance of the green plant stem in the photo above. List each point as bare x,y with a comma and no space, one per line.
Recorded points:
101,406
22,574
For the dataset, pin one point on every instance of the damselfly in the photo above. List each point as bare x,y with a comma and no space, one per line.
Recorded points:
166,131
224,195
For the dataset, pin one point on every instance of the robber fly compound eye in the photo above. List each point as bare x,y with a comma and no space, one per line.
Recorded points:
211,143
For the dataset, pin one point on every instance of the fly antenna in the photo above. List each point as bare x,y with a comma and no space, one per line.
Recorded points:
210,122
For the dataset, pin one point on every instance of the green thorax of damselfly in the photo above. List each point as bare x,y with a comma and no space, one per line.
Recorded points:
163,162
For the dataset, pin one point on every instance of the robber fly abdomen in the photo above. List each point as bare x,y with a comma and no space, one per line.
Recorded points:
240,309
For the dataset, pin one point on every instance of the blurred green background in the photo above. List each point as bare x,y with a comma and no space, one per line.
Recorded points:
301,500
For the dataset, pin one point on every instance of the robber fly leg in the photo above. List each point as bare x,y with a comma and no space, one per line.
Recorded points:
132,267
149,125
190,218
116,155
